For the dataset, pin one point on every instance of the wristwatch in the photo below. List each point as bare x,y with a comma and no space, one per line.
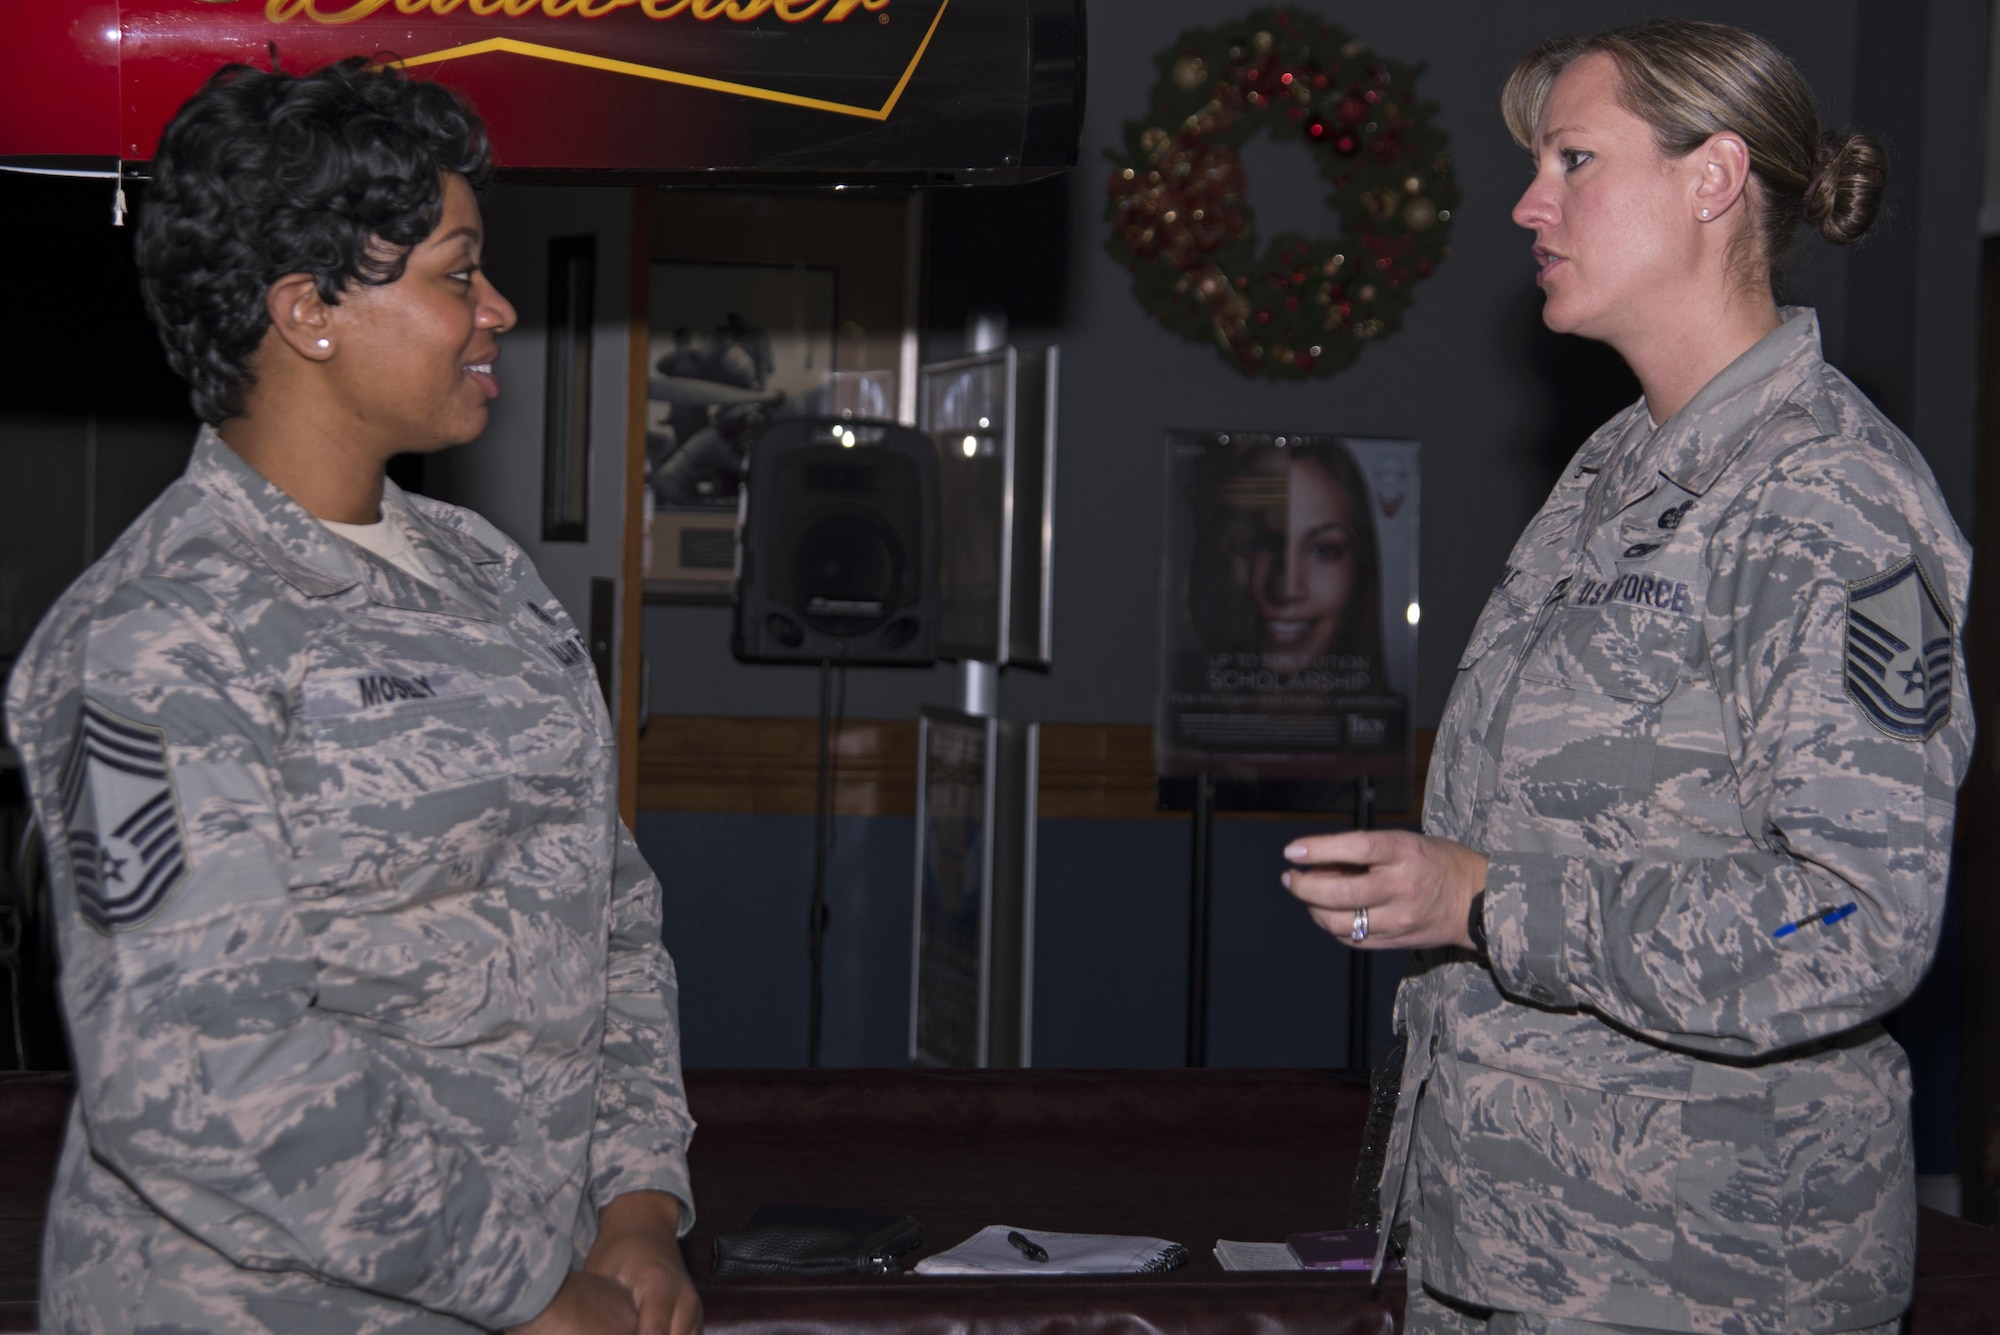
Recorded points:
1475,922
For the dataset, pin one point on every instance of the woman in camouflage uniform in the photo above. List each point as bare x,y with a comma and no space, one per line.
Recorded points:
1688,819
373,1026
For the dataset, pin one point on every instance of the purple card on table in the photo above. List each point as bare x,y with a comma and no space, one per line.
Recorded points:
1336,1249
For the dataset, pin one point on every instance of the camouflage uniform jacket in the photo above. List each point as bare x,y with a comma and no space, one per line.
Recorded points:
1716,692
363,974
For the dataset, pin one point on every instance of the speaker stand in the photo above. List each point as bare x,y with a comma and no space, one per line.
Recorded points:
823,843
1200,888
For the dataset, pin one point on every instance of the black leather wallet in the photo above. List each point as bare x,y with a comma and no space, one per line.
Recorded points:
816,1240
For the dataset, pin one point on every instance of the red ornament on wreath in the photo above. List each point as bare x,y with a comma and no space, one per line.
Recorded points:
1296,307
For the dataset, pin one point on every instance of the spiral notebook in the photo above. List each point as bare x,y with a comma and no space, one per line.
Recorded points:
988,1252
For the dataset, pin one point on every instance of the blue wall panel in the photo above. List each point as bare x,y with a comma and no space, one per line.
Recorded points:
1110,944
738,888
1280,989
1110,952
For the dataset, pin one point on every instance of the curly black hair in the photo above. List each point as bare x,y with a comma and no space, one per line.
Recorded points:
338,174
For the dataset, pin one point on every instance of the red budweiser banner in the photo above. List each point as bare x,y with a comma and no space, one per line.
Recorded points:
664,86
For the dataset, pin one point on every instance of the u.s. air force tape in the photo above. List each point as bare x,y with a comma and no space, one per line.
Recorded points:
126,844
1899,650
568,649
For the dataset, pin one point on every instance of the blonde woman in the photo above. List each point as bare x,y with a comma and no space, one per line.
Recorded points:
1689,814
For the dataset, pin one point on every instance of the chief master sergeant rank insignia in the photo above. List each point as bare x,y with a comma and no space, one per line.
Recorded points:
124,819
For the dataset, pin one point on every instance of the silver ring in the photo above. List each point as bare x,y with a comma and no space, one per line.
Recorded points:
1360,932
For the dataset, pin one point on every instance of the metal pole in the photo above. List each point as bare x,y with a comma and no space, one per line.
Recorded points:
979,688
1360,963
1203,858
816,925
979,682
985,329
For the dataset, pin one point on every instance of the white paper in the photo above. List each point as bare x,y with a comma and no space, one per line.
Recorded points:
988,1252
1255,1255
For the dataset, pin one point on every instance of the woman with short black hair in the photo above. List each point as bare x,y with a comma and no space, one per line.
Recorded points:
1689,814
373,1026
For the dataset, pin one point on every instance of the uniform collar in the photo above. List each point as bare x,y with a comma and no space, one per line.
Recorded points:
301,550
1694,445
1607,439
438,543
458,584
306,554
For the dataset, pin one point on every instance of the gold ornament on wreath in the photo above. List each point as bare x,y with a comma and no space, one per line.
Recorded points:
1296,307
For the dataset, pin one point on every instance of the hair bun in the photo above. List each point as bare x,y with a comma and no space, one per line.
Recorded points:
1846,187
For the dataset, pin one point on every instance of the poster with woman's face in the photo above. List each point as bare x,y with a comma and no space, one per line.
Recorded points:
1288,604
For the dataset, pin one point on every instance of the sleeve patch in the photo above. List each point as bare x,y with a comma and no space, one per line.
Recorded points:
1898,658
126,844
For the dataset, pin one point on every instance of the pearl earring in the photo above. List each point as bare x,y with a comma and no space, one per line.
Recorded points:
327,342
1704,218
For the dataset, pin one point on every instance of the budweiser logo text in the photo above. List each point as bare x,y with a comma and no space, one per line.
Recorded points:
735,11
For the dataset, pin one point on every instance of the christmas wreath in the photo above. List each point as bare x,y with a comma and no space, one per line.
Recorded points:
1181,220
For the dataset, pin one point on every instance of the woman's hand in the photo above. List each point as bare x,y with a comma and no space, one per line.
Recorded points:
586,1304
1416,889
638,1245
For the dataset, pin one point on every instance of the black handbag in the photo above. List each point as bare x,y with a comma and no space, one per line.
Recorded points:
816,1240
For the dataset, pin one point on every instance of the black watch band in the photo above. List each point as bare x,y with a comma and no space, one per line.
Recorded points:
1475,922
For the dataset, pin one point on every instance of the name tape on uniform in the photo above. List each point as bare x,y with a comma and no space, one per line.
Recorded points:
337,693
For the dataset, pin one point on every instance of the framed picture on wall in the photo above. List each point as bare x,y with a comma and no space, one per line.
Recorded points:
566,423
757,307
732,346
1288,617
952,933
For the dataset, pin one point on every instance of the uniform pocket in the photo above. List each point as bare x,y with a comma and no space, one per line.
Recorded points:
1625,651
419,783
1731,1205
1657,1199
411,747
1501,612
1549,1179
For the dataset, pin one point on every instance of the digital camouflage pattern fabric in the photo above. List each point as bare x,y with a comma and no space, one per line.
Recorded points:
1424,1314
363,974
1664,1102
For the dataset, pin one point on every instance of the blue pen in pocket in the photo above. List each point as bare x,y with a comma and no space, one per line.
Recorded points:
1823,915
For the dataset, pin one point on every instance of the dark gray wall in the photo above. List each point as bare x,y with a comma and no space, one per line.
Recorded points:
1911,340
500,474
1497,402
92,423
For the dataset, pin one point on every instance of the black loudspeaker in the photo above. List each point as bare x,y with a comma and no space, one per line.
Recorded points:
839,545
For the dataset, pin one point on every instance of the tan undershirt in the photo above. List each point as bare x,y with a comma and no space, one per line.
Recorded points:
386,540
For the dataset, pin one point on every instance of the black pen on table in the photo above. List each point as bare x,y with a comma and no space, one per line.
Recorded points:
1032,1250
